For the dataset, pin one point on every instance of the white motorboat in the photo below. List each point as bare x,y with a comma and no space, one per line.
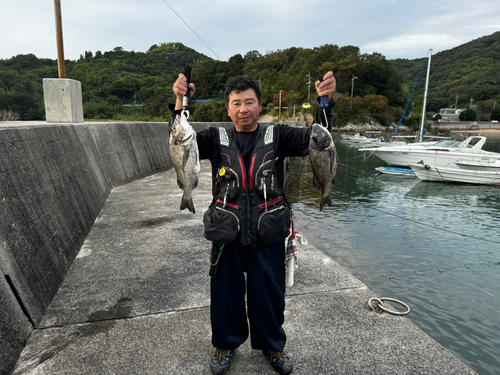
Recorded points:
483,164
440,154
427,172
357,138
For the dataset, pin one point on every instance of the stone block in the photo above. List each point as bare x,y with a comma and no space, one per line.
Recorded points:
63,100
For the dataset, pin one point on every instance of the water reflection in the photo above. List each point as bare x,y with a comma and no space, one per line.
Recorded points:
435,246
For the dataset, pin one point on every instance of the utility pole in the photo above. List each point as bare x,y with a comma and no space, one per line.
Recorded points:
59,35
279,116
309,88
456,101
352,88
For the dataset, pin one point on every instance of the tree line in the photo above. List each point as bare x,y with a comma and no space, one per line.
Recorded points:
467,76
127,85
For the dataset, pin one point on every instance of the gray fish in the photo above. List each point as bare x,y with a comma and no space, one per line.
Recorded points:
186,159
323,162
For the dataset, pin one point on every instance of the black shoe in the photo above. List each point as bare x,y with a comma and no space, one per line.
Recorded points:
221,361
281,363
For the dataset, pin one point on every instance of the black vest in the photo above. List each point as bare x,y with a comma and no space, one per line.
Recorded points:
249,207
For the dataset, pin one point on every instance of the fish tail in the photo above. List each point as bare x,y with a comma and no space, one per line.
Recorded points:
187,202
326,199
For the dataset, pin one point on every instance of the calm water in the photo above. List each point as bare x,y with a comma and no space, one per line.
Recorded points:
435,246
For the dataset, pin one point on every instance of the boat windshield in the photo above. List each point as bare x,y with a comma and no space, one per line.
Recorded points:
447,143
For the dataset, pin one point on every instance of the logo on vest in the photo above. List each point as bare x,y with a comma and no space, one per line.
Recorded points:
224,139
268,137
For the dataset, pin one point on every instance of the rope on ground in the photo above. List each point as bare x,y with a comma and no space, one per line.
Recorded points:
380,305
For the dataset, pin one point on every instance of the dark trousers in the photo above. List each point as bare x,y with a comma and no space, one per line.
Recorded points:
265,288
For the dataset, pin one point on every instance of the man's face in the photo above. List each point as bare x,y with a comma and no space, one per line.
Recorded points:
244,109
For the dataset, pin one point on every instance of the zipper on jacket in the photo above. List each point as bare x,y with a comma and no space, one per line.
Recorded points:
262,166
272,202
229,212
251,170
243,171
228,204
268,212
235,174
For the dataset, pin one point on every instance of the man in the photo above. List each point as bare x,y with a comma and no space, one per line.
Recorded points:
249,219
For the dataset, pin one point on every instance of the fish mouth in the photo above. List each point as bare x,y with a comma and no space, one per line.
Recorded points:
320,142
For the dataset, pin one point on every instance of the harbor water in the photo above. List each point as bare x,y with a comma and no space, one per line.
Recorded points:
434,246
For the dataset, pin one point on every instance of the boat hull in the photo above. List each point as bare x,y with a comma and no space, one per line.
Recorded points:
396,171
485,164
441,154
403,158
443,174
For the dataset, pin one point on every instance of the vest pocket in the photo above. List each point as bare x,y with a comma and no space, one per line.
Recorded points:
273,224
221,225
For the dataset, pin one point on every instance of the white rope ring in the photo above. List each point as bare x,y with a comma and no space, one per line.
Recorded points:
380,303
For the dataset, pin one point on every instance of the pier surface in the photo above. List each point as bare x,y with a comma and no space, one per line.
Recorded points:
136,301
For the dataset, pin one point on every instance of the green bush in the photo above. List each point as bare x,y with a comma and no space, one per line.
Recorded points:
495,114
467,115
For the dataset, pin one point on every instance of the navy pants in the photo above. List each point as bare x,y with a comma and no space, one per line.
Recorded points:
265,289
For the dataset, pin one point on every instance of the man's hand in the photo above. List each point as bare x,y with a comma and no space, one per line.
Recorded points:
180,89
327,87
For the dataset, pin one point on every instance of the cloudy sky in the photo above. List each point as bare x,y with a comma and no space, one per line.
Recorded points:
224,28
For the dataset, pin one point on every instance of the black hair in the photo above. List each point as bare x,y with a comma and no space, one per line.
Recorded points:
241,83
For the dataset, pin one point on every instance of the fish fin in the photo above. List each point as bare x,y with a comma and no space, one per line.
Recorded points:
179,183
316,183
185,158
187,202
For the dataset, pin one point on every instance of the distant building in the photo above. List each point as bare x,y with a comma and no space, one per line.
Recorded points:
450,114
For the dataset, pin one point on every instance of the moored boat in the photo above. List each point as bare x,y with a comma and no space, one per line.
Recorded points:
427,172
487,164
440,154
396,171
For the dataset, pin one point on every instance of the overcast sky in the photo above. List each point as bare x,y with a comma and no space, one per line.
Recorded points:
395,28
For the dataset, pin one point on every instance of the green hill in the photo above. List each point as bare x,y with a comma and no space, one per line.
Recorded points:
128,85
471,71
109,80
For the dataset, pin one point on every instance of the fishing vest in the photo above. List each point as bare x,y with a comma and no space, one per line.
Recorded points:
248,207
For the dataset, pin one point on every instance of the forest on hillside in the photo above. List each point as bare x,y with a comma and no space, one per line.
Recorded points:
465,75
137,86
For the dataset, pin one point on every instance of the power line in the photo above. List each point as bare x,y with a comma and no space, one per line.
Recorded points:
191,29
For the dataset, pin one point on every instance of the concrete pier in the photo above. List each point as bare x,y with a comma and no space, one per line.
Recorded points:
136,301
63,100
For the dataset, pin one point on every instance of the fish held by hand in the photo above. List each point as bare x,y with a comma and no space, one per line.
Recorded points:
323,156
186,159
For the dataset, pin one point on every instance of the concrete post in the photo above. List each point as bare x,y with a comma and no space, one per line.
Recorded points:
63,100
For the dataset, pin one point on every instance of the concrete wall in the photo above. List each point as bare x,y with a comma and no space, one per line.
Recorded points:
464,125
54,180
132,150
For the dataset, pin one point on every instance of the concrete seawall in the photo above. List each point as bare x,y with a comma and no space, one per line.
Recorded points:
464,126
54,180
